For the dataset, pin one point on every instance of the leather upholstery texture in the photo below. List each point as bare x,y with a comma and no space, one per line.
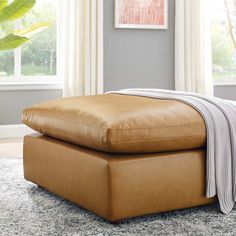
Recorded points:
116,186
120,123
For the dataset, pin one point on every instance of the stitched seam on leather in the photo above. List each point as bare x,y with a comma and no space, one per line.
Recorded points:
164,157
153,140
32,125
159,127
110,205
137,128
107,137
117,141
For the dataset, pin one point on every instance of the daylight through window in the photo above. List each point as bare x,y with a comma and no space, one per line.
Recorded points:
224,40
38,57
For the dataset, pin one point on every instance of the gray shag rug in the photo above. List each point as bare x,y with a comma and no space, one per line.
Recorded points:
26,209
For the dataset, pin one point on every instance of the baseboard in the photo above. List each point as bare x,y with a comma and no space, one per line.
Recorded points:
14,131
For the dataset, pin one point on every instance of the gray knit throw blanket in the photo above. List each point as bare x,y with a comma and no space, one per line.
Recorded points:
220,119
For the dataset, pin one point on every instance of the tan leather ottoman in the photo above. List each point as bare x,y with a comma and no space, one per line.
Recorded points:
116,186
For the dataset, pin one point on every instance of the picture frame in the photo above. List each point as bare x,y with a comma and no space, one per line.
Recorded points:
141,14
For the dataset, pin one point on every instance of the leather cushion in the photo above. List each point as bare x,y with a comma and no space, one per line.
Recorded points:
120,123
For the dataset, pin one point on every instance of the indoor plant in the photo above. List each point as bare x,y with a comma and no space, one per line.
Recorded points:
11,12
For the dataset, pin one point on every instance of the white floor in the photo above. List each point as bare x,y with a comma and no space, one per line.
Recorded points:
11,148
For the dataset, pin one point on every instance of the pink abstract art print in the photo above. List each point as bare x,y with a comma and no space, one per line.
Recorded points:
149,14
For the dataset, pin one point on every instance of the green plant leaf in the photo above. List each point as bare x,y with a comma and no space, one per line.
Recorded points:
3,3
30,31
16,9
12,41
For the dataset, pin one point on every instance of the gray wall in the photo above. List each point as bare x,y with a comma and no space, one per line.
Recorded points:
13,102
227,92
137,57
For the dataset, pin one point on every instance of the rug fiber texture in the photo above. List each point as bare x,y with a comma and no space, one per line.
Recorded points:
26,209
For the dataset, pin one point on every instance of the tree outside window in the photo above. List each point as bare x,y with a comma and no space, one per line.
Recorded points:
224,40
38,57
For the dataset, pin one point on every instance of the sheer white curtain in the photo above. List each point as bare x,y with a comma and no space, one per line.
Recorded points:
81,46
193,60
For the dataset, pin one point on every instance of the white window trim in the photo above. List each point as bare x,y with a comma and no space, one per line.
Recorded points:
20,82
225,83
46,85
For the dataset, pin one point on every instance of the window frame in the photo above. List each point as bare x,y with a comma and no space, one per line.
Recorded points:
223,81
23,82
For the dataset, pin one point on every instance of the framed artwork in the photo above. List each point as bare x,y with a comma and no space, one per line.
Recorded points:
141,14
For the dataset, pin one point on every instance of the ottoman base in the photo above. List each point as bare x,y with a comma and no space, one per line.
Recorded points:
116,186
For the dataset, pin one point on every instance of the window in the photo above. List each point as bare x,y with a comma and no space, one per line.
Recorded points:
35,61
224,40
